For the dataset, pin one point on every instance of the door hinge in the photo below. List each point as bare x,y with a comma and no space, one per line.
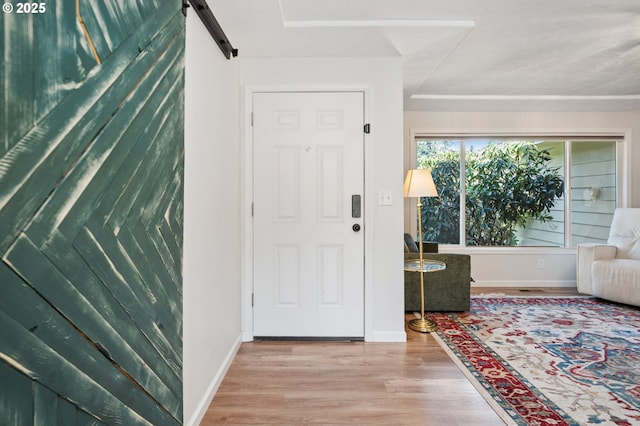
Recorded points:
251,119
367,128
251,209
252,299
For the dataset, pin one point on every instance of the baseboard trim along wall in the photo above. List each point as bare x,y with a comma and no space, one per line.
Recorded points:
524,283
207,397
388,337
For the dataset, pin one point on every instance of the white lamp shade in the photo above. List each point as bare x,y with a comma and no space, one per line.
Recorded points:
419,183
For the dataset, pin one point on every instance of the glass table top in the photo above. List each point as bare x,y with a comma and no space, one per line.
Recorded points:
428,265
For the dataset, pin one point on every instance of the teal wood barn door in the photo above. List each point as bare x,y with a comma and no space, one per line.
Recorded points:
91,201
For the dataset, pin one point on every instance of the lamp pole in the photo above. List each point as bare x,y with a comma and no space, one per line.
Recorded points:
422,324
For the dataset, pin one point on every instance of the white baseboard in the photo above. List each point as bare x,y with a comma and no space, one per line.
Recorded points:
206,399
247,336
525,283
389,337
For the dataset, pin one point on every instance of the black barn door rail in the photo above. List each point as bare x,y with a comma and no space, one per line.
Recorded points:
206,16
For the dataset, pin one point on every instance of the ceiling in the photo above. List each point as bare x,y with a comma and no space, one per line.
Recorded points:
463,55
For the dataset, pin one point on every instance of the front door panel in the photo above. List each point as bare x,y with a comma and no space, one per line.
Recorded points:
308,255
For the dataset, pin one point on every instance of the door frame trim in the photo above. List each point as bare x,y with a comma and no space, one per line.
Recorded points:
246,199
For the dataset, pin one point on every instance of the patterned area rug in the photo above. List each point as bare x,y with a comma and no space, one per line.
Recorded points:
549,361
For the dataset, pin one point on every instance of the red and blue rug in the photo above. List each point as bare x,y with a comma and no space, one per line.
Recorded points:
549,361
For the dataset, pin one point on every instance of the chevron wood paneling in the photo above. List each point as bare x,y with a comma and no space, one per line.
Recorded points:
91,199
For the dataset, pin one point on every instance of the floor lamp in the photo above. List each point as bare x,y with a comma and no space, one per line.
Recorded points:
418,184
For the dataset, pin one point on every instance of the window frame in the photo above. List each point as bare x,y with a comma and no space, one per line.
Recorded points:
620,137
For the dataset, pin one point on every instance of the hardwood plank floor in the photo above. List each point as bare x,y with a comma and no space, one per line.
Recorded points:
412,383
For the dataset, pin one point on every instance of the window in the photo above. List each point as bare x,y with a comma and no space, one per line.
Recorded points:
548,192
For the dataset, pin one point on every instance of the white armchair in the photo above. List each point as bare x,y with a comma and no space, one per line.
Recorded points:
612,271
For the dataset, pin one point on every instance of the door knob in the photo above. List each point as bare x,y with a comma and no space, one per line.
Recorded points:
356,227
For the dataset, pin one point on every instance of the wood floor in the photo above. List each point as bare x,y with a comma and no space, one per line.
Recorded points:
358,383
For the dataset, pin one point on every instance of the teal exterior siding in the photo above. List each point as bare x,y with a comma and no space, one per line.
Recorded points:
91,199
593,164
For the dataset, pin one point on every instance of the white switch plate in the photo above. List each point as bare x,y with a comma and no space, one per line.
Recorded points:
385,198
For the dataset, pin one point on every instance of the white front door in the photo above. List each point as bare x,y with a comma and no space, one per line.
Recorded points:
308,270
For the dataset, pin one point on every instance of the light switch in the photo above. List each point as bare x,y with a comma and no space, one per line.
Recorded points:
385,198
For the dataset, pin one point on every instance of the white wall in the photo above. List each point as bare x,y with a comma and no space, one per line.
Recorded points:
497,267
211,270
381,79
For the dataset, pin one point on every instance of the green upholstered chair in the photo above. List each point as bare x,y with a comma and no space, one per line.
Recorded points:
448,290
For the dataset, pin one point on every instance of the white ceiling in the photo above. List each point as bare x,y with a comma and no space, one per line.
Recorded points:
463,55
